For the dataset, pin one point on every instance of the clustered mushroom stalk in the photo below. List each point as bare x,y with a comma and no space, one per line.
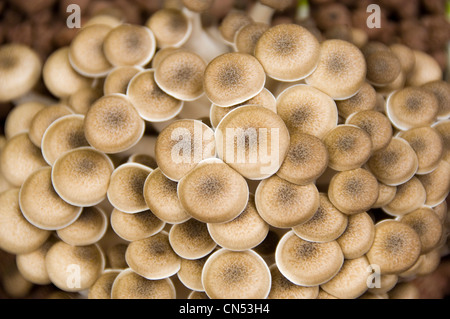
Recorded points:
315,160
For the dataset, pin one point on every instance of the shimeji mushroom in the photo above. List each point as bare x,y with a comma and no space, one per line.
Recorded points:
88,228
409,196
236,275
160,194
171,27
191,239
441,90
19,118
263,10
437,184
288,52
246,231
213,192
231,23
118,79
132,227
190,273
130,285
405,56
81,100
153,257
20,71
101,289
42,206
383,67
443,127
282,288
126,187
247,36
426,69
151,102
364,100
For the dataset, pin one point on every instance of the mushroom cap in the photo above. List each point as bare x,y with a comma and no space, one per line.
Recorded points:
308,110
248,35
278,5
341,71
17,235
358,237
112,124
288,52
396,247
383,67
353,191
129,45
198,5
283,204
182,145
364,100
213,192
232,78
437,184
101,289
42,206
426,69
153,257
152,103
59,76
246,231
412,107
409,196
20,70
236,274
81,176
253,140
130,285
64,134
443,127
19,118
282,288
63,260
86,51
171,27
395,164
231,23
306,263
181,75
190,273
441,90
126,187
118,79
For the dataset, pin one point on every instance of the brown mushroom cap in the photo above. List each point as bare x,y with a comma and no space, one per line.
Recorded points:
341,71
19,118
232,78
118,79
288,52
20,70
247,36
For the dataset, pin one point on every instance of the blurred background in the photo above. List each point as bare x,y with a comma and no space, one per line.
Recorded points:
41,24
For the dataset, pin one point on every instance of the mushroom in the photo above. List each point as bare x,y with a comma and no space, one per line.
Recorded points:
126,188
282,288
81,101
20,71
101,289
436,183
263,10
231,274
153,257
307,110
130,285
213,192
306,263
190,273
247,36
88,228
160,194
137,226
364,100
19,118
232,78
288,52
283,204
112,124
383,67
64,134
426,69
409,196
171,27
231,23
81,176
443,127
59,76
129,45
341,71
441,90
63,261
180,74
191,239
118,79
246,231
42,206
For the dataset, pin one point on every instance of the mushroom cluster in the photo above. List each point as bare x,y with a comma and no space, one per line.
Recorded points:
244,160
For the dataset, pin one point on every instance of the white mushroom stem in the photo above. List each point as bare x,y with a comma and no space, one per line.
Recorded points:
261,13
302,11
200,41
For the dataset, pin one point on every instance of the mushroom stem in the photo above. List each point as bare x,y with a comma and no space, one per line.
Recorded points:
302,10
200,41
261,13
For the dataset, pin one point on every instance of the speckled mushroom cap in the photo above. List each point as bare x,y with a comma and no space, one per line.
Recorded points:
118,79
213,192
198,5
236,274
86,51
232,78
412,107
253,140
152,103
59,76
20,70
112,124
341,71
81,176
170,26
307,110
288,52
277,4
283,288
426,69
441,89
383,67
19,118
231,23
181,75
247,36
